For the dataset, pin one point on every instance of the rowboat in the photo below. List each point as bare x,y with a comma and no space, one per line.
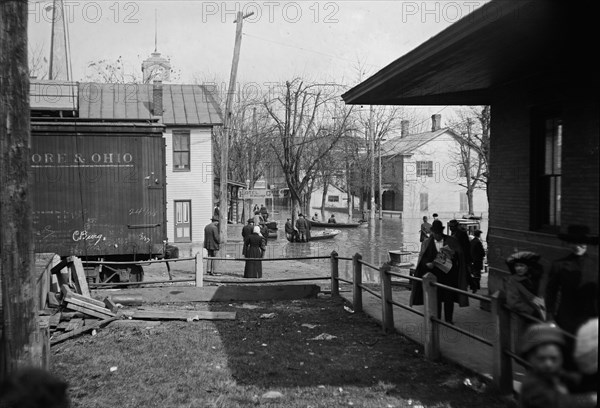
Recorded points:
318,224
318,235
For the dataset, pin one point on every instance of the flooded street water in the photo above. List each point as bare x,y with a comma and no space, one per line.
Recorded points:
373,242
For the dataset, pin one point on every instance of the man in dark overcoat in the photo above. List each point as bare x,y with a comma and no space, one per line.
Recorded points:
457,232
212,240
303,227
455,277
246,231
477,256
425,230
572,289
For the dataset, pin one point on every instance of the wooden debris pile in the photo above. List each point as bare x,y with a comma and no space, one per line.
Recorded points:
71,310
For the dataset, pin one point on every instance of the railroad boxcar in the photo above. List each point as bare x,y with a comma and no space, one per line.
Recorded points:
98,192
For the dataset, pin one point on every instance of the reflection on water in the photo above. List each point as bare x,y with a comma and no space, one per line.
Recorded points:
373,242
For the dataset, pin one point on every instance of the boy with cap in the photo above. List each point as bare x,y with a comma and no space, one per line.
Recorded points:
546,384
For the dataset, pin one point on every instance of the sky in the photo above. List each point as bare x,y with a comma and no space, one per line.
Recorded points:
340,41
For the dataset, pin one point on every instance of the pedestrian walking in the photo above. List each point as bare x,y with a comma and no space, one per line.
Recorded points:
462,237
254,248
572,290
477,257
442,255
246,231
212,241
546,383
425,230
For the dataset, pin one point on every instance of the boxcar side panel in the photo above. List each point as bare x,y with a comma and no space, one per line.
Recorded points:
98,194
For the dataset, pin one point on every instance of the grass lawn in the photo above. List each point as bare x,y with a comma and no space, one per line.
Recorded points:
235,363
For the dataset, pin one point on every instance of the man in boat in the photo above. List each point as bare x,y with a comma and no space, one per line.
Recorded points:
331,219
290,233
264,213
303,227
315,217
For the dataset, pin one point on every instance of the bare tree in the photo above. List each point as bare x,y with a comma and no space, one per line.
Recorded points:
38,63
119,71
472,154
306,125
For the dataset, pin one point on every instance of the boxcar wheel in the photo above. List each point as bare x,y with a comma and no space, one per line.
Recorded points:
136,273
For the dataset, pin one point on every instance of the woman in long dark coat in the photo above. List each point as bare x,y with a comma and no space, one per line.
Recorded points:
254,248
456,277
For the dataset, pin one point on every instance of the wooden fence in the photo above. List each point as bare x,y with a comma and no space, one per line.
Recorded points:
503,335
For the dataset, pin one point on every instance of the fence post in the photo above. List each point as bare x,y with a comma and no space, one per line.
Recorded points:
357,282
387,310
502,363
431,329
198,268
335,273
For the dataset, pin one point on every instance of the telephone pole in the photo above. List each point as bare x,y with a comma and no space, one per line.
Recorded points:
224,200
18,324
372,142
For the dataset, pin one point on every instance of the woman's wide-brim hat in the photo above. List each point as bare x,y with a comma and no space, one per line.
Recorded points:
579,234
437,226
525,257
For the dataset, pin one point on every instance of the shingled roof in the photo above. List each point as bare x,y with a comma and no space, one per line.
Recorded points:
408,144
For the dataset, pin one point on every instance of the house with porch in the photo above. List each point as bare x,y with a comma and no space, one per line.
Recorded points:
422,174
520,58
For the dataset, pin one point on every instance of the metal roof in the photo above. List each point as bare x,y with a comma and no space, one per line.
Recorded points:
52,95
183,105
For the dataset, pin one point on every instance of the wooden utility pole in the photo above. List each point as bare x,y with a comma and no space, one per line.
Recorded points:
224,200
18,326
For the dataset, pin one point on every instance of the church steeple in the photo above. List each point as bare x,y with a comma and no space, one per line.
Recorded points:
156,67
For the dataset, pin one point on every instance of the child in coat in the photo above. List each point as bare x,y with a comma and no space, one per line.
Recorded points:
546,384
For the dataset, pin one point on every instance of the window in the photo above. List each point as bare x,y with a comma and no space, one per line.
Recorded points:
183,225
333,198
464,202
547,171
181,150
424,199
425,168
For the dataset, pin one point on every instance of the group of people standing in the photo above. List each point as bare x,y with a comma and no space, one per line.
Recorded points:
450,258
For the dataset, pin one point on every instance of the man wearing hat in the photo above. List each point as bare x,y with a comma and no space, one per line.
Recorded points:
211,243
572,290
246,231
303,226
477,257
455,276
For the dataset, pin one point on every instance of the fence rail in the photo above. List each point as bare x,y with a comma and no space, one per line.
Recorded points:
503,354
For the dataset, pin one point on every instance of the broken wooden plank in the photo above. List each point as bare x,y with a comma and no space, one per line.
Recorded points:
62,325
52,300
55,320
90,312
69,298
78,274
186,294
74,324
97,325
179,315
68,293
54,285
110,305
